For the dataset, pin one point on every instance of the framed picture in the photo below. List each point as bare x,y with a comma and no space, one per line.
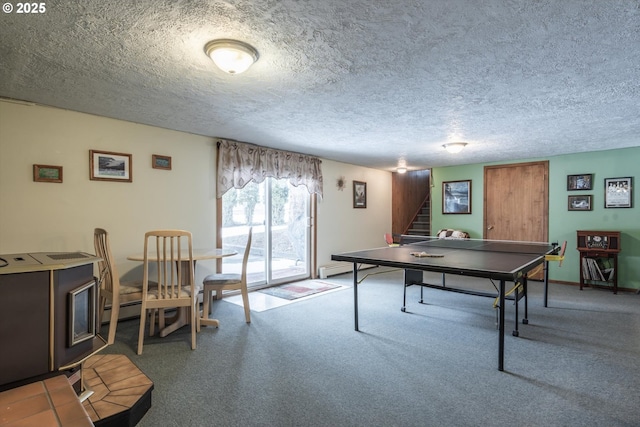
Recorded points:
110,166
161,162
47,173
456,197
580,182
580,203
617,192
359,194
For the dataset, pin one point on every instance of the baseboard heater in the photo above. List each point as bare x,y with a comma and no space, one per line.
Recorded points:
339,268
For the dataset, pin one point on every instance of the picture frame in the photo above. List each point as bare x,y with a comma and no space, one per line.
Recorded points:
456,197
110,166
618,192
359,194
47,173
580,182
160,162
580,202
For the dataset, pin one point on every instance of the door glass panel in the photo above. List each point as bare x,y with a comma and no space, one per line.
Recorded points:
279,215
242,209
289,231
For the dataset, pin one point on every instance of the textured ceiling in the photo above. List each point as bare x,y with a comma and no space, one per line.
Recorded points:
368,82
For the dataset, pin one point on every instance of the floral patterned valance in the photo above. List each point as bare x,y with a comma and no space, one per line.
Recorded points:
240,163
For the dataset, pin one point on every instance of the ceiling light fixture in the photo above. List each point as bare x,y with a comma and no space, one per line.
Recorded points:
402,170
231,56
455,147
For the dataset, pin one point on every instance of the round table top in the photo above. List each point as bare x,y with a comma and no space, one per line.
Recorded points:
198,254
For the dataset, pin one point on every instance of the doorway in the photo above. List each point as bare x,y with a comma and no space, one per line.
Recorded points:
516,202
279,215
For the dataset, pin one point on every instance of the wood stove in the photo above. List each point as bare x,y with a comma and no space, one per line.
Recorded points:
48,315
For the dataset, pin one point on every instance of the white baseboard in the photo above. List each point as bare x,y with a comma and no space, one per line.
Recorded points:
335,268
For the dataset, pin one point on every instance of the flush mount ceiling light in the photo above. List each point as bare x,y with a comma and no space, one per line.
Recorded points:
231,56
402,170
455,147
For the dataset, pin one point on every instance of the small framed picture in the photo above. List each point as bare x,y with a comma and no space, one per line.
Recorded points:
580,182
47,173
617,192
359,194
110,166
580,203
456,197
161,162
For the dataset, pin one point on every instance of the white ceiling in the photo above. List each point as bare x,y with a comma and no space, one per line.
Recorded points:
368,82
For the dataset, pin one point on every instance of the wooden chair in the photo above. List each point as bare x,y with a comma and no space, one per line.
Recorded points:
230,281
111,288
388,237
170,254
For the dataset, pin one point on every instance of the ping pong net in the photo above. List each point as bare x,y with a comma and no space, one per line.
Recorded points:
504,246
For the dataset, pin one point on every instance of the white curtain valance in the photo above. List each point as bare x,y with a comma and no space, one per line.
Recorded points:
240,163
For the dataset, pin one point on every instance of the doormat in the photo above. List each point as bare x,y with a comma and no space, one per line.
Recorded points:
292,291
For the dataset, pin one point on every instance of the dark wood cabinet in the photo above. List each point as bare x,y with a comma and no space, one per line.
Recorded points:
599,257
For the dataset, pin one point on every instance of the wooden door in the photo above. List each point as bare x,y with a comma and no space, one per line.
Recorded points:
516,202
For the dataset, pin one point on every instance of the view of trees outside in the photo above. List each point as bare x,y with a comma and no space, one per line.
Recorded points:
244,208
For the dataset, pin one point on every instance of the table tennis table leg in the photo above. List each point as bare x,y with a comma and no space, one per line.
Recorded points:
501,329
412,277
404,298
355,294
525,291
516,297
525,319
546,282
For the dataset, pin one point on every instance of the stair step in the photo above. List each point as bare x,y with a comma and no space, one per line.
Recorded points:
421,224
417,232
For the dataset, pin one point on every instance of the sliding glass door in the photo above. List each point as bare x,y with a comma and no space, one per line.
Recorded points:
279,215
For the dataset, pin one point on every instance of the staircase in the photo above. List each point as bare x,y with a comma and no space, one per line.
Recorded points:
421,224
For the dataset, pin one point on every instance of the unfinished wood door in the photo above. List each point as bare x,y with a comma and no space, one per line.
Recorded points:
516,202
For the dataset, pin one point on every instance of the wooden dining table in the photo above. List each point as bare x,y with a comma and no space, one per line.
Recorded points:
181,317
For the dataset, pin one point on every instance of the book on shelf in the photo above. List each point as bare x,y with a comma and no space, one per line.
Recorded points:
594,269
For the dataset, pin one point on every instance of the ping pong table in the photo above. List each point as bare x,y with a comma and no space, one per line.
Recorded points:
499,260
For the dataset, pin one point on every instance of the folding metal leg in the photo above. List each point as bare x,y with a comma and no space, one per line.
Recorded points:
516,296
501,329
404,298
525,291
411,277
355,294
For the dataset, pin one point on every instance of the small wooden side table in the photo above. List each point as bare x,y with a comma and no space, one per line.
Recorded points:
598,248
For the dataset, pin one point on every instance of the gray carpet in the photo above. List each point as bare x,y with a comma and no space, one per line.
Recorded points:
577,363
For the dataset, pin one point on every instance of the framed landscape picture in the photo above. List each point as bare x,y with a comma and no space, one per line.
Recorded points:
110,166
47,173
161,162
617,192
456,197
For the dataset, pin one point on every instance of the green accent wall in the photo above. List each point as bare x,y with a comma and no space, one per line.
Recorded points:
563,223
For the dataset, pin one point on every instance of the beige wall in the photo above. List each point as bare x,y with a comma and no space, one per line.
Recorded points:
38,216
341,227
